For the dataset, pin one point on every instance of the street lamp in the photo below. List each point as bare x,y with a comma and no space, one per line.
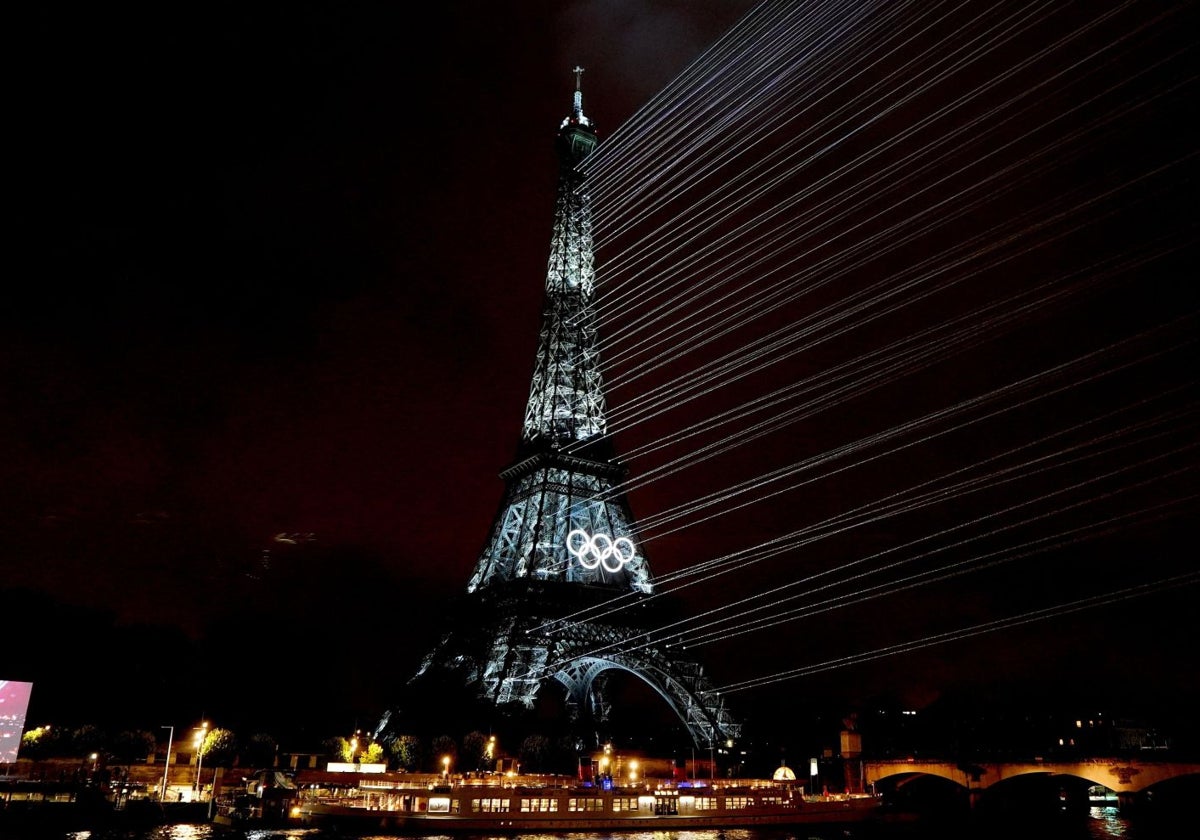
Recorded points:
445,767
198,742
162,797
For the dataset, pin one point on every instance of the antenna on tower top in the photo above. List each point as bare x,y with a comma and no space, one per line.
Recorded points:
578,107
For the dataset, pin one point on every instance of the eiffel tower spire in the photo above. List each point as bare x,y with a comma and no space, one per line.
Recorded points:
566,398
564,540
561,489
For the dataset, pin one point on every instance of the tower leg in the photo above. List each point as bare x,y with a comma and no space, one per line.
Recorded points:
598,703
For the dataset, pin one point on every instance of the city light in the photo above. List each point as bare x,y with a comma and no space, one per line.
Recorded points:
198,743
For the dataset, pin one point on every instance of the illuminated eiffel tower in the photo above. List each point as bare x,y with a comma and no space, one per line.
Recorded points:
561,592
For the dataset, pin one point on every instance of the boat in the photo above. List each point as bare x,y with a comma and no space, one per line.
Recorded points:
262,800
394,806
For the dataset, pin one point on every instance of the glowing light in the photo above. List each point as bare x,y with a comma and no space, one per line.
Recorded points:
596,550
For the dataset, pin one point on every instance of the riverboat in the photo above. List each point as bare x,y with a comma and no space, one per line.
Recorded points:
383,806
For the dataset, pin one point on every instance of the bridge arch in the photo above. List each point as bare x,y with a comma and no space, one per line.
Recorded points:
686,692
1122,775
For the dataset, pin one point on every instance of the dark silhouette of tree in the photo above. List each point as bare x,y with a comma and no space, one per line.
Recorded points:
534,754
474,745
260,750
84,740
335,748
131,746
442,746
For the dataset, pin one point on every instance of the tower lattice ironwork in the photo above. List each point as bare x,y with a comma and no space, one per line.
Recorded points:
561,591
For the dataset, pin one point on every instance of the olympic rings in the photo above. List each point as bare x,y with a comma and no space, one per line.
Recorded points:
592,551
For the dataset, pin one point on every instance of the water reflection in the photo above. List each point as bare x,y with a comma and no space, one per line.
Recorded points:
1097,823
1108,822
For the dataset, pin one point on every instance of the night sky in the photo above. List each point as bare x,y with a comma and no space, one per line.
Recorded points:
270,320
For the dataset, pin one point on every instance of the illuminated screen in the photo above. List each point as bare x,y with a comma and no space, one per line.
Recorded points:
14,700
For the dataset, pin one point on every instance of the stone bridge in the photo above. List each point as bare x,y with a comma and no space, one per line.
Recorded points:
1126,777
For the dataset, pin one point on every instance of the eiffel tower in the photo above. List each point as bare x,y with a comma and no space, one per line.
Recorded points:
564,543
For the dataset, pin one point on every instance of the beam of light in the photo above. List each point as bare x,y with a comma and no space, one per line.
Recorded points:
1091,602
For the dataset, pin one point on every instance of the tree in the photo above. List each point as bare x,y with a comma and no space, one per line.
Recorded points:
39,743
474,746
260,750
443,747
371,754
130,746
535,752
338,748
406,752
84,740
219,747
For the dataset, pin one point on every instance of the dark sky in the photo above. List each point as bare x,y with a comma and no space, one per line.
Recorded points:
279,271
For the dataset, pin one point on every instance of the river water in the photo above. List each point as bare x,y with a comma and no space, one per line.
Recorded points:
1098,823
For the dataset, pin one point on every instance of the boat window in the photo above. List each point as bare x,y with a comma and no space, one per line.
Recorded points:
488,806
625,803
589,803
738,802
538,803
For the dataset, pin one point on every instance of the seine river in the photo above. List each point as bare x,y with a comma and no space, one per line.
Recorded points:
1098,823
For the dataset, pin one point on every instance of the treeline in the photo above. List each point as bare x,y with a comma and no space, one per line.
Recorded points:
473,752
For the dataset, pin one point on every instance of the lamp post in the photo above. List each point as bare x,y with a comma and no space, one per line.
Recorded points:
445,767
162,797
199,744
712,758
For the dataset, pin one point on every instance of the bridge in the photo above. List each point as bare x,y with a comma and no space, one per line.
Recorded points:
1126,777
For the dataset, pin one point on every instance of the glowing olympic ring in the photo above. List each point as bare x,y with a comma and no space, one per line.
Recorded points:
592,551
